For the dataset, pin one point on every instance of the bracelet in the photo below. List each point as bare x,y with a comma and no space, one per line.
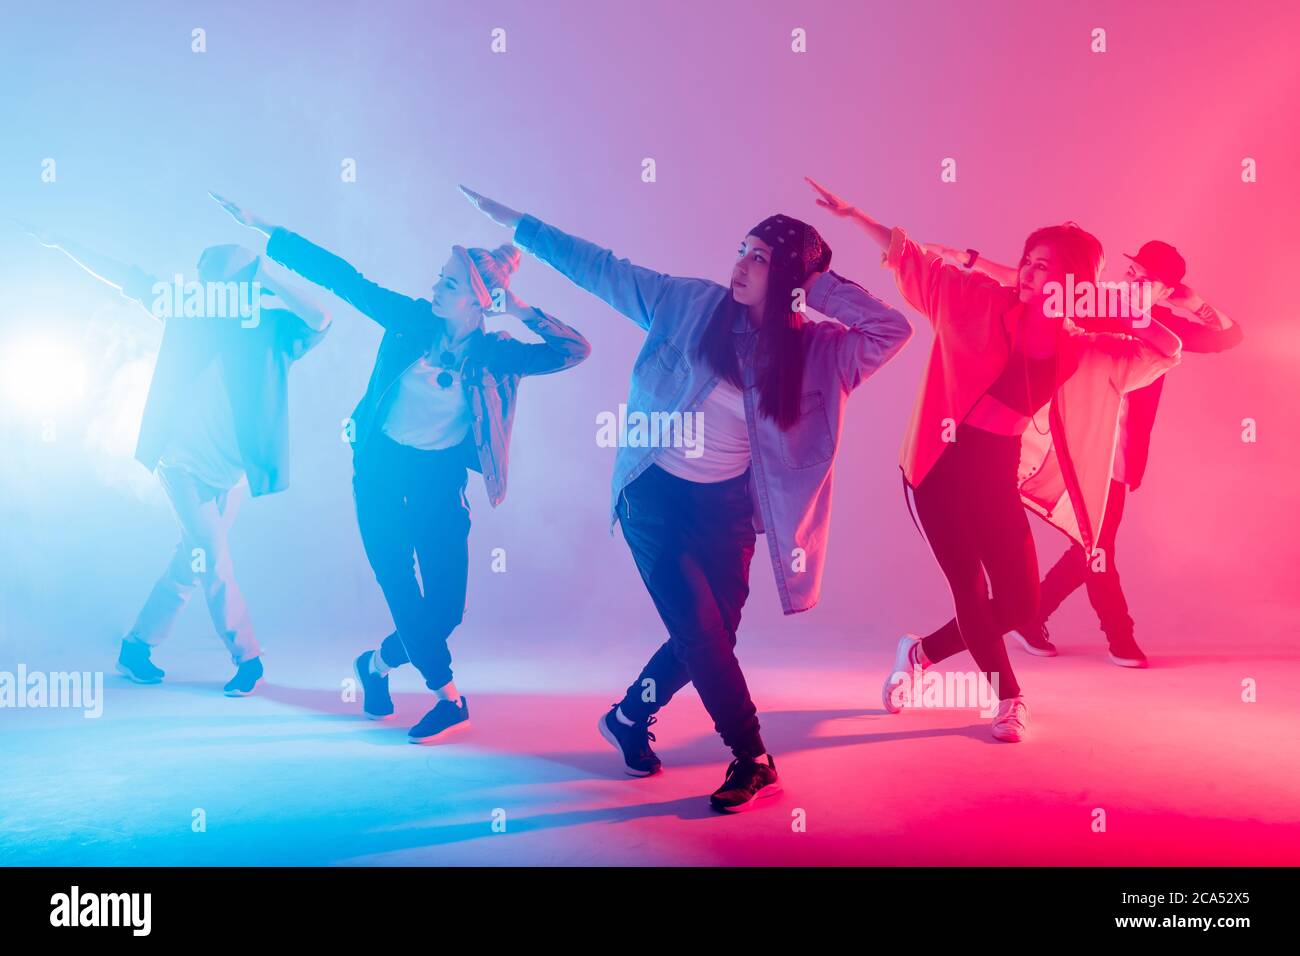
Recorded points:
970,261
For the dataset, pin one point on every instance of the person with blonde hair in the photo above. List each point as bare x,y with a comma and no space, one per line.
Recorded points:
441,399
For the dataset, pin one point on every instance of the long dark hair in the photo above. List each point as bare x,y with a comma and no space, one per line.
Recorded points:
778,357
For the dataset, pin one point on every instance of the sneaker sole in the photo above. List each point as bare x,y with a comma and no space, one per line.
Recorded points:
245,693
1127,661
1008,738
771,790
892,680
442,734
1030,648
613,742
129,675
362,682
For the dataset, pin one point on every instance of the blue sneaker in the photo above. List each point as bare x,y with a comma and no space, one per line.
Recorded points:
445,718
633,742
133,661
246,679
375,699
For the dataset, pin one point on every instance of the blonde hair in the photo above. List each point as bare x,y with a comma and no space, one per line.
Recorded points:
496,266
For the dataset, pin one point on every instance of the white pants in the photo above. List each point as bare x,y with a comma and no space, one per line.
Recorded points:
201,558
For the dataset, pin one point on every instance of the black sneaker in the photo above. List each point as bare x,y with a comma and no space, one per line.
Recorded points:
1124,652
445,718
632,742
134,662
747,781
1035,640
375,699
246,679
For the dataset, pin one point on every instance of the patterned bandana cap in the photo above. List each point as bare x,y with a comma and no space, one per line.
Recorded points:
798,249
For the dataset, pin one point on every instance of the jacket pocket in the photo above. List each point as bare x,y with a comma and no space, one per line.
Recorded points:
659,375
808,442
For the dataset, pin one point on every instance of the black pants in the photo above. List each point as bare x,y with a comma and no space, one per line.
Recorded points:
692,543
1104,589
970,508
411,503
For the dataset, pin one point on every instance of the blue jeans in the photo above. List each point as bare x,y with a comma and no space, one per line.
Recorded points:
693,543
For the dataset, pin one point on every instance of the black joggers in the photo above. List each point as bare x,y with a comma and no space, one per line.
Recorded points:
692,543
411,503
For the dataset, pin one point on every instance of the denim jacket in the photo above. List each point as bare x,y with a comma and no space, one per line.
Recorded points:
494,365
790,470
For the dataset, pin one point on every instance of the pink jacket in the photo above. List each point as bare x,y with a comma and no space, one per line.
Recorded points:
1065,475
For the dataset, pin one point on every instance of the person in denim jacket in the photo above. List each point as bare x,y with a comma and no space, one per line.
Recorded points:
768,389
441,399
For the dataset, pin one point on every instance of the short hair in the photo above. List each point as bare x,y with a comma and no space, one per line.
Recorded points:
1079,250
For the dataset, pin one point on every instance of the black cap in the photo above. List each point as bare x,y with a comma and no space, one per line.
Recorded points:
798,249
1161,261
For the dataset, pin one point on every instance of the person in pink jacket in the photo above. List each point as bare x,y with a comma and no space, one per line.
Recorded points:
1018,408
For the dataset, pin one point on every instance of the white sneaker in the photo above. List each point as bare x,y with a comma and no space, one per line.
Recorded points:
1012,722
897,690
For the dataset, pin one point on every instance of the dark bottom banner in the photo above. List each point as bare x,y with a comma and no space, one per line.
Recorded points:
914,906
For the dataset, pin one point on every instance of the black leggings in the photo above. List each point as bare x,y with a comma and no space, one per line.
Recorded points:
969,505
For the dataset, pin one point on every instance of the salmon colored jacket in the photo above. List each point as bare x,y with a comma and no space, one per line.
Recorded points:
1064,475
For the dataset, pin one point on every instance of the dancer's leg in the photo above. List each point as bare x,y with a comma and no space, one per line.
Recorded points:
440,523
947,504
1105,592
680,572
225,600
176,586
388,540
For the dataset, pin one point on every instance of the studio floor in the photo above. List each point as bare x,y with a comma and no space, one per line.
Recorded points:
1185,771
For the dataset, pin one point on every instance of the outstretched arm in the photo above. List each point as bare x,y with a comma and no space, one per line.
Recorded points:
879,233
633,290
134,283
390,309
275,280
1004,274
938,290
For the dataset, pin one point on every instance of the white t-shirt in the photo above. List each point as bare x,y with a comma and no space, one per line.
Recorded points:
721,446
203,440
425,415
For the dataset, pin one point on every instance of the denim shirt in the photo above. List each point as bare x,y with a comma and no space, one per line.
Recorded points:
494,364
791,470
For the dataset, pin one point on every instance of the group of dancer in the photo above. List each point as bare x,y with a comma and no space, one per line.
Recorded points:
1021,409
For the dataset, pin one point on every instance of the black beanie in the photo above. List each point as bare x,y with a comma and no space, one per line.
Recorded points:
798,250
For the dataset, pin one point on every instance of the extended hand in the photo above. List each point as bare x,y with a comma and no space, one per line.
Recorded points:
40,235
828,200
241,216
498,213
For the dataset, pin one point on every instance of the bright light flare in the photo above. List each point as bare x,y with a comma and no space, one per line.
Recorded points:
43,376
